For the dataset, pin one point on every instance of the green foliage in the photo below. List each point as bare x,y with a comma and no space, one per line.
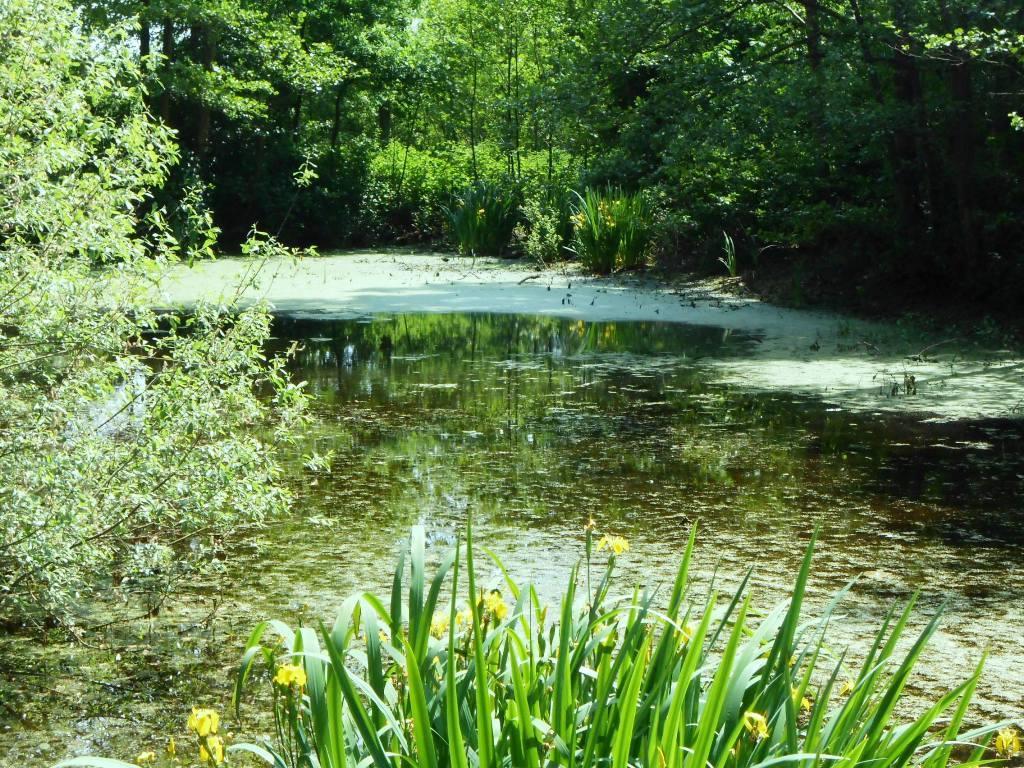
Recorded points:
122,433
620,681
611,228
483,218
820,132
729,259
546,229
409,188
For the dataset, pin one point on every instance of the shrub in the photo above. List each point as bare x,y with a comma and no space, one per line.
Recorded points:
122,433
546,230
611,682
482,219
612,229
407,190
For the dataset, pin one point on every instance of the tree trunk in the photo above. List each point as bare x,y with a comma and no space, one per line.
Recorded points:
144,33
961,136
909,157
385,121
472,123
204,40
962,156
336,118
473,97
812,24
815,57
518,112
168,51
899,143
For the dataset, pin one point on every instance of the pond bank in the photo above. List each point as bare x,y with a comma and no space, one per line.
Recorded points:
854,363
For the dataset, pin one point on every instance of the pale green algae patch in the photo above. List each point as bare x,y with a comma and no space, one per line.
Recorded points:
855,364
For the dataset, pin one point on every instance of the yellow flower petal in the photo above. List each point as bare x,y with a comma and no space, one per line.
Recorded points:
616,544
439,625
1007,744
756,725
203,722
290,674
212,750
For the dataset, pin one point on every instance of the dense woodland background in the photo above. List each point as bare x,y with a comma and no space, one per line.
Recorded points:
874,146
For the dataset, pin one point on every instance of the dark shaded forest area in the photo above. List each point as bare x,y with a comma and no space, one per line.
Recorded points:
873,145
862,141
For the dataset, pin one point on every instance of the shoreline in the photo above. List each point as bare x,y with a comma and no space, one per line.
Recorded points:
863,365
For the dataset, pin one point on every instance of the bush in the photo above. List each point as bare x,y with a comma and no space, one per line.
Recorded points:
408,189
482,219
545,233
612,229
122,434
611,682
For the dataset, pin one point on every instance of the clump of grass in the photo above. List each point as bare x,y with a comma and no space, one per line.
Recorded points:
728,259
611,228
495,679
482,219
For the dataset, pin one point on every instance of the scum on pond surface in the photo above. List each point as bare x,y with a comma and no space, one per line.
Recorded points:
537,424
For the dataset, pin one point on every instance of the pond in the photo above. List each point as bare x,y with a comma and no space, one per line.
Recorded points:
533,425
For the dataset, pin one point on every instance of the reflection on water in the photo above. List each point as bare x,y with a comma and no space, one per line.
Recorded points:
533,425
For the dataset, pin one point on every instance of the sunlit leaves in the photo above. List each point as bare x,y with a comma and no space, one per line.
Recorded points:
128,442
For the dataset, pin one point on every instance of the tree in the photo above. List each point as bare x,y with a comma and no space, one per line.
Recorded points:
122,434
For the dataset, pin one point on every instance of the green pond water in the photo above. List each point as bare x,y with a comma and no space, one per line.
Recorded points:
533,425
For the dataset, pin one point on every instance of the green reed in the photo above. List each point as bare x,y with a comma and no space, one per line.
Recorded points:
612,682
612,229
482,219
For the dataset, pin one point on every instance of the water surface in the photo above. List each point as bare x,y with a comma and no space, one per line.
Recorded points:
534,425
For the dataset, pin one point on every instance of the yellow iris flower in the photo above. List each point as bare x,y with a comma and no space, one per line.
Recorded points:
756,725
688,630
439,625
203,722
805,703
145,758
290,674
1007,743
616,544
212,750
495,605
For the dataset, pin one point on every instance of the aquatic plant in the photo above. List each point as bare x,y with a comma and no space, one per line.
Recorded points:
611,229
619,682
729,259
482,219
